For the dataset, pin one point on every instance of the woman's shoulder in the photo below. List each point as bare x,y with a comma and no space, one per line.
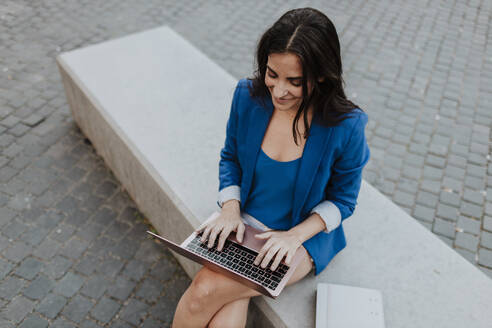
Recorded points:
245,101
355,119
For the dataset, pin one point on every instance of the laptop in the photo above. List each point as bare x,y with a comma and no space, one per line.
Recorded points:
341,306
236,259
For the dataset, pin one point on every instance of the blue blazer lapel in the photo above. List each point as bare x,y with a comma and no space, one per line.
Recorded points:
258,123
314,149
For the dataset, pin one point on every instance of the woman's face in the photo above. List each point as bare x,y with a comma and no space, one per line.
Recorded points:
284,80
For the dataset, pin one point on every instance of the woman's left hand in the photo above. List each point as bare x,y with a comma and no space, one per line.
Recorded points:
279,244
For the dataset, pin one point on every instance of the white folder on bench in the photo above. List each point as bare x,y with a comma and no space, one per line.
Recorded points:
341,306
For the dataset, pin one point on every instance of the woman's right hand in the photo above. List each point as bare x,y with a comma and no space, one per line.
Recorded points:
227,221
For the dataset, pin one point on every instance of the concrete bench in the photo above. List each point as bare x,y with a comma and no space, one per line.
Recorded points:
155,108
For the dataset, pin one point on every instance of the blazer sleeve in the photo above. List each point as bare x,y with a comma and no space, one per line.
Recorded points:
343,187
229,169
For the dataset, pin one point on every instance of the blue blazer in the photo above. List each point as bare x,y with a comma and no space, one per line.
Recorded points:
330,168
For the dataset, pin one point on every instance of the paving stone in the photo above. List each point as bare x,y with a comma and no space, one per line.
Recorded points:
466,241
447,212
10,287
51,305
17,252
49,220
427,199
452,184
164,269
469,225
431,186
68,205
149,251
62,323
424,213
77,308
39,288
17,309
105,310
57,267
95,286
488,208
14,229
150,289
125,249
475,183
34,321
487,225
444,228
485,257
470,209
88,264
110,266
136,269
74,248
62,233
151,323
29,268
120,324
92,203
404,199
104,216
69,284
486,239
89,324
134,312
106,189
117,230
5,268
47,249
473,197
121,288
450,198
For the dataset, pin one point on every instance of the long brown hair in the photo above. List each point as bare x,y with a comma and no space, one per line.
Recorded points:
309,34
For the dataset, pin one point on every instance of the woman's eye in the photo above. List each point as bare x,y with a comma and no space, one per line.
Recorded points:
296,84
271,76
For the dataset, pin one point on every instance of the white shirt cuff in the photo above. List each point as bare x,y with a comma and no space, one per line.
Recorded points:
230,192
330,213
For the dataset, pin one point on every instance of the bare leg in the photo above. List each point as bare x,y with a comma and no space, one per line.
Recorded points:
210,291
231,315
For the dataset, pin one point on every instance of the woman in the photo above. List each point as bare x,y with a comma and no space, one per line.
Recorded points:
299,181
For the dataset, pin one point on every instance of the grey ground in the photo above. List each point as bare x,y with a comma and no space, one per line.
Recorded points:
73,252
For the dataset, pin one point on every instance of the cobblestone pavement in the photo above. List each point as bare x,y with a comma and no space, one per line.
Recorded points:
73,251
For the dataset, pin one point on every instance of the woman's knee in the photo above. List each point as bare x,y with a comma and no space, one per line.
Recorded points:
202,290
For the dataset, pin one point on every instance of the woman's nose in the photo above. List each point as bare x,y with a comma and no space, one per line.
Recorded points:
279,92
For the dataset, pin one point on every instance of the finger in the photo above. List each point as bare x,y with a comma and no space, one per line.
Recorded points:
269,256
278,258
205,234
240,232
223,236
289,256
213,236
264,235
201,227
262,252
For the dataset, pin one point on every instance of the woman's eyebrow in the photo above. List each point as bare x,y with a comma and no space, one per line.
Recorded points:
289,78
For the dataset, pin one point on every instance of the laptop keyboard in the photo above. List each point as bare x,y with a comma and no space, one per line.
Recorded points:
239,259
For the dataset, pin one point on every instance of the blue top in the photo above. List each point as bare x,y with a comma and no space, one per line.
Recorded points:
272,192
